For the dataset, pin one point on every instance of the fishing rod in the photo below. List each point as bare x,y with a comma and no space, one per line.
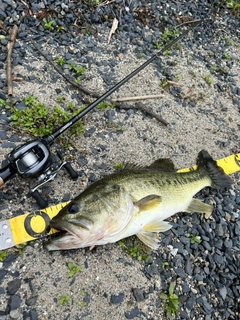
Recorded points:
33,159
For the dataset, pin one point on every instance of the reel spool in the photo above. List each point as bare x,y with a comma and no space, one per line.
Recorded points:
30,159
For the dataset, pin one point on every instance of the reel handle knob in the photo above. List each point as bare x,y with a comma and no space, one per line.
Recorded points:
39,199
68,167
71,171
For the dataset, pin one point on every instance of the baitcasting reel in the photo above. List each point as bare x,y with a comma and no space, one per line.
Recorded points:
34,160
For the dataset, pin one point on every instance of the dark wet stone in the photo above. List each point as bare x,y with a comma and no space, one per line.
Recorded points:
183,315
180,272
130,112
110,115
89,132
87,298
117,298
102,166
33,315
3,96
237,229
223,292
46,190
81,161
92,177
179,246
31,301
2,15
8,145
132,314
168,73
3,135
203,290
218,259
138,294
66,197
158,303
185,288
206,270
188,267
151,270
207,245
177,260
219,244
58,91
2,274
202,301
13,286
21,105
190,301
31,285
15,302
151,289
219,230
102,147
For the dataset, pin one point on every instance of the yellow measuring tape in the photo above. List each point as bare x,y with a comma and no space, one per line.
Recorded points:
32,226
230,164
27,227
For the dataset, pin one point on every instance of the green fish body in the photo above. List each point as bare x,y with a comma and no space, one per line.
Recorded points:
135,201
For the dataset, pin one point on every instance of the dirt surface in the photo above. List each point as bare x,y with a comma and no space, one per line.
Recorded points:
109,271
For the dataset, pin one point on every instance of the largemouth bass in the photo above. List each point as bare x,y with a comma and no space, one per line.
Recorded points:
135,201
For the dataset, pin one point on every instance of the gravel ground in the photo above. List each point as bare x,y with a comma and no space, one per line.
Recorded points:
112,284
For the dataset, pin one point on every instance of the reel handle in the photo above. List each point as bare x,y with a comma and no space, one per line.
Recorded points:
39,199
68,167
70,170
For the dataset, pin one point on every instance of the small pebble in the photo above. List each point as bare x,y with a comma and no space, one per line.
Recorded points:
115,299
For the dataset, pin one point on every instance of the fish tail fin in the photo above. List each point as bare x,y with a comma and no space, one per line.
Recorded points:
216,173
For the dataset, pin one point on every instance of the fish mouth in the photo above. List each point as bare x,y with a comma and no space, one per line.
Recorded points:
67,239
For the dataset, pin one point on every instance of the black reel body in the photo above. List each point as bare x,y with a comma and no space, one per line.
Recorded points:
34,160
30,159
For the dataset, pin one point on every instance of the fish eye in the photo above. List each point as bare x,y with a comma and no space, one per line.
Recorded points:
73,208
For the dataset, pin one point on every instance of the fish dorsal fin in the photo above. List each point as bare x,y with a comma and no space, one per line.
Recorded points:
163,164
148,202
131,166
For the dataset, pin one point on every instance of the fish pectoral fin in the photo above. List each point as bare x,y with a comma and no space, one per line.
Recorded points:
150,239
157,226
82,222
148,202
199,206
